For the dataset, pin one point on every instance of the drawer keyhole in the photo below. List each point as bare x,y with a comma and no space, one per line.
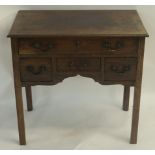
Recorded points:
77,43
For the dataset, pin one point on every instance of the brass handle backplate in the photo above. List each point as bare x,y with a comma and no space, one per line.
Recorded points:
107,45
120,69
43,48
37,71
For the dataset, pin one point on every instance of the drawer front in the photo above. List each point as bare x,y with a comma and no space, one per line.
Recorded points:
120,69
78,64
44,46
120,46
79,45
35,69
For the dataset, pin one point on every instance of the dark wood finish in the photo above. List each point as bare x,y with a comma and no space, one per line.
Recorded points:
60,77
78,45
126,98
29,98
80,64
137,93
49,46
36,69
77,23
117,69
18,92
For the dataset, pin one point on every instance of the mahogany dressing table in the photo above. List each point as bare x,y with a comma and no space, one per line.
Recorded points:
49,46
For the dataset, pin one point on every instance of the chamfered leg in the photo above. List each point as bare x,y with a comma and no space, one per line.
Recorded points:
29,98
126,98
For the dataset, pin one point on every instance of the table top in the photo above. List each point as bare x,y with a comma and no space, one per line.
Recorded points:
46,23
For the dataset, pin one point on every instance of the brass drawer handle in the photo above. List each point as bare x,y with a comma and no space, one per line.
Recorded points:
44,48
120,69
107,46
34,71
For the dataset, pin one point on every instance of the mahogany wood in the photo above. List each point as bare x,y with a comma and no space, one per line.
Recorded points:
29,98
18,92
105,45
126,98
137,93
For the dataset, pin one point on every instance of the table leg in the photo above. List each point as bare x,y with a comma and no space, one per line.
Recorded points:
20,115
137,93
18,92
126,98
29,98
135,115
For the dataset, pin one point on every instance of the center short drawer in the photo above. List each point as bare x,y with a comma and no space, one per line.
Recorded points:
35,69
107,46
78,64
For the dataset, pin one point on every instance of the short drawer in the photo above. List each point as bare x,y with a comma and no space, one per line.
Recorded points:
78,64
109,46
35,69
120,69
120,46
45,45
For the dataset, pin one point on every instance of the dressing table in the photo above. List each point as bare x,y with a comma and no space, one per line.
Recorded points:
105,45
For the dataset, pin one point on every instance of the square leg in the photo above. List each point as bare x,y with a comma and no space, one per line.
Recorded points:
29,98
20,115
126,98
135,115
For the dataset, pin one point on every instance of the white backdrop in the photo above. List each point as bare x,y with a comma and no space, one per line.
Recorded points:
77,113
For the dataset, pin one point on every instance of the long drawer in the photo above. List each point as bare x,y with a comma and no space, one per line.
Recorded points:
109,46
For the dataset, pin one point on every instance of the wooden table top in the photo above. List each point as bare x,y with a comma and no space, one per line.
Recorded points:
46,23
